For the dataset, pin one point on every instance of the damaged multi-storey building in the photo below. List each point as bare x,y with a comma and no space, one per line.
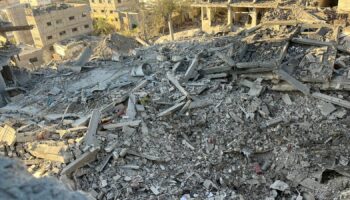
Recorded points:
53,22
7,53
227,15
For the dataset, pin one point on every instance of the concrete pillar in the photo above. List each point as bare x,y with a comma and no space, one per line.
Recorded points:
254,16
210,15
229,16
202,14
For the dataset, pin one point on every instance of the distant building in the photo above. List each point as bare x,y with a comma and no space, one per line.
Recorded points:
58,22
117,12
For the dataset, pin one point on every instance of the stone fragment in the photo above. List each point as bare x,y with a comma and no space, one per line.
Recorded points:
279,185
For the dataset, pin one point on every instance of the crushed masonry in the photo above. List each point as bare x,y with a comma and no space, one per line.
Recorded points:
259,113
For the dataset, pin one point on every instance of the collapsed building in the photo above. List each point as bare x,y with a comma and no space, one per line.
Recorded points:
261,113
222,15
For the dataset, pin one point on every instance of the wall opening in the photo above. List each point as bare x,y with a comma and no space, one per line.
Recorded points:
327,3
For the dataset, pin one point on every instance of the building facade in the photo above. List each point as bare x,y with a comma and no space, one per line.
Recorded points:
16,15
58,22
116,12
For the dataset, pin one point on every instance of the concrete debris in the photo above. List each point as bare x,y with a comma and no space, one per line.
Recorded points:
330,99
90,137
326,108
50,150
259,113
84,159
287,99
280,186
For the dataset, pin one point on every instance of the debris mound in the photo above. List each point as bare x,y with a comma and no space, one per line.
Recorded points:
113,46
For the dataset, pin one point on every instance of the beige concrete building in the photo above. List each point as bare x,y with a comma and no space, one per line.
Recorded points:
16,15
117,12
58,22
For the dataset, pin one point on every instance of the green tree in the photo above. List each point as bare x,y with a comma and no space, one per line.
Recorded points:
165,9
102,27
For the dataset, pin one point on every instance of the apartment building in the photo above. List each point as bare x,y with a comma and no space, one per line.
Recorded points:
117,12
57,22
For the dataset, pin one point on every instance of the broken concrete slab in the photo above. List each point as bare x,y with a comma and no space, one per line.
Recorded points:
226,59
326,108
50,150
131,109
311,42
287,99
255,88
83,160
279,185
191,69
330,99
134,123
294,82
176,83
172,109
90,137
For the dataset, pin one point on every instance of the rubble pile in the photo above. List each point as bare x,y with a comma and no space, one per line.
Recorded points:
114,46
262,114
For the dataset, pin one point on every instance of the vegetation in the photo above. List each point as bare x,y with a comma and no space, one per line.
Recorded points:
102,27
160,16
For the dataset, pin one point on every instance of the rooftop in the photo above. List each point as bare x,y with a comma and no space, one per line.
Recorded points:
51,8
